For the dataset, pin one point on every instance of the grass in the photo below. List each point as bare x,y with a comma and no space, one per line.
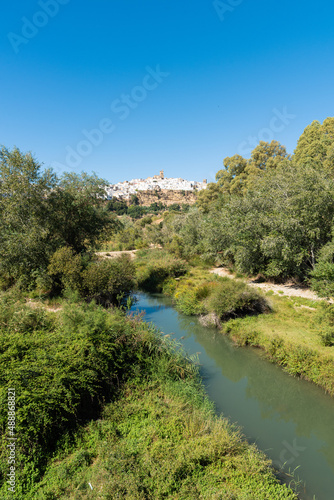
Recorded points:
161,440
290,336
292,319
115,411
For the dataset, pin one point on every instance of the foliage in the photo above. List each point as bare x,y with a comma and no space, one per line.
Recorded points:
224,297
316,146
24,231
65,269
324,323
277,228
162,440
210,198
234,299
154,267
322,276
40,213
64,368
241,174
189,296
120,207
109,281
322,279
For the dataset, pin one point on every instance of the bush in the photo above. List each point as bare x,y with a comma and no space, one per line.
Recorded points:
322,279
109,281
324,323
233,299
154,267
65,269
63,372
190,297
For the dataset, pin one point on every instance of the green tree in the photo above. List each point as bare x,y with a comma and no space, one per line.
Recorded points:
77,212
40,213
210,198
24,229
65,269
240,174
316,146
232,179
281,224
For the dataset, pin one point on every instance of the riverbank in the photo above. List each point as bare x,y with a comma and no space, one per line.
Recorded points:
287,289
293,330
162,440
115,410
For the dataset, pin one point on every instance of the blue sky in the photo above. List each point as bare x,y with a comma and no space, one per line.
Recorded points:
126,88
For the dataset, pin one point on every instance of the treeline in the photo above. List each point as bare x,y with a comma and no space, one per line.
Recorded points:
49,229
271,214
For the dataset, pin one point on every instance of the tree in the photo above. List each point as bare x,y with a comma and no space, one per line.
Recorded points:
210,197
264,157
239,174
40,213
281,224
24,232
77,213
316,146
232,179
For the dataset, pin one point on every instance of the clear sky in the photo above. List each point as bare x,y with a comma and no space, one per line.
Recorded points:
125,88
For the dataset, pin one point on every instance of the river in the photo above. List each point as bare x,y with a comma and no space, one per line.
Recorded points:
290,419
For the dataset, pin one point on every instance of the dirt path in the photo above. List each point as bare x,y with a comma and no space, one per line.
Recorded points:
113,255
288,289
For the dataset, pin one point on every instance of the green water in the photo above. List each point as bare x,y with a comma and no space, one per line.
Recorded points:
291,420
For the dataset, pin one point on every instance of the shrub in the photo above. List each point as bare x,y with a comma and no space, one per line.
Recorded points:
233,299
63,372
324,323
322,279
154,267
109,281
190,297
65,269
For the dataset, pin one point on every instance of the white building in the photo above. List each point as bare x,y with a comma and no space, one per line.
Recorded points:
127,188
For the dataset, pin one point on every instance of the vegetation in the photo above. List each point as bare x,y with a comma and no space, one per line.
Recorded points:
222,298
40,213
157,435
161,440
271,214
135,211
102,398
155,267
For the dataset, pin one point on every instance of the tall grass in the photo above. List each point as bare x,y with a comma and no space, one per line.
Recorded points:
161,440
105,402
155,267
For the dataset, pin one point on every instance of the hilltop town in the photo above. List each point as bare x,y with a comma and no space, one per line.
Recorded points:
123,190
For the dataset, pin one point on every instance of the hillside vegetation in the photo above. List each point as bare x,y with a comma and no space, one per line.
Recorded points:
105,407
